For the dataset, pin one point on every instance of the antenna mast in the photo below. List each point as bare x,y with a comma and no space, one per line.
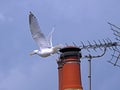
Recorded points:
69,63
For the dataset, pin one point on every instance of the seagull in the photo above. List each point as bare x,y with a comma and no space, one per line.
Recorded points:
45,44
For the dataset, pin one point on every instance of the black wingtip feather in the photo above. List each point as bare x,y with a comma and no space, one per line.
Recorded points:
30,16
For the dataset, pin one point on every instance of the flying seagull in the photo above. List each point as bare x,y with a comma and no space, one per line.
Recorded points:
45,44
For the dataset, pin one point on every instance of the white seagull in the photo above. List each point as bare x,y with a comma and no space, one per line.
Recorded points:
45,44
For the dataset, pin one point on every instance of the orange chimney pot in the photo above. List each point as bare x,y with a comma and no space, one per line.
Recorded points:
69,69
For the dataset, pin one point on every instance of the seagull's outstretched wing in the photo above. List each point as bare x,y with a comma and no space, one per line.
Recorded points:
50,37
37,35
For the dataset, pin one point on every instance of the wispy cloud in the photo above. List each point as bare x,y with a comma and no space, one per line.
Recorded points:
5,18
2,17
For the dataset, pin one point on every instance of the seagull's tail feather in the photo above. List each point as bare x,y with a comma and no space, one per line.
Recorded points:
57,48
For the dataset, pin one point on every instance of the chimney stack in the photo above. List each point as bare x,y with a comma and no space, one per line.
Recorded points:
69,69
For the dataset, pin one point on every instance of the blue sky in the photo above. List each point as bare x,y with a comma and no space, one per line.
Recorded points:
74,21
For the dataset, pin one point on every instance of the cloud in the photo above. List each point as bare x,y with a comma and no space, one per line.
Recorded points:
4,18
31,75
111,82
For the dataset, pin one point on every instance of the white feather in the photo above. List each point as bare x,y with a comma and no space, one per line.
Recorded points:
45,44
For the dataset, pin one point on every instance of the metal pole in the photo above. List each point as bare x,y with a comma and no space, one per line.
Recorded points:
89,74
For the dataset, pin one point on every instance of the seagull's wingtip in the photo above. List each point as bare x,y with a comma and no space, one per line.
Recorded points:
30,16
30,13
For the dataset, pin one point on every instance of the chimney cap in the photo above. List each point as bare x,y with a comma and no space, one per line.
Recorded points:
69,48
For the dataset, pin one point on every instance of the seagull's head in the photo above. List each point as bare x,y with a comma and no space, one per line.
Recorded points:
34,52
